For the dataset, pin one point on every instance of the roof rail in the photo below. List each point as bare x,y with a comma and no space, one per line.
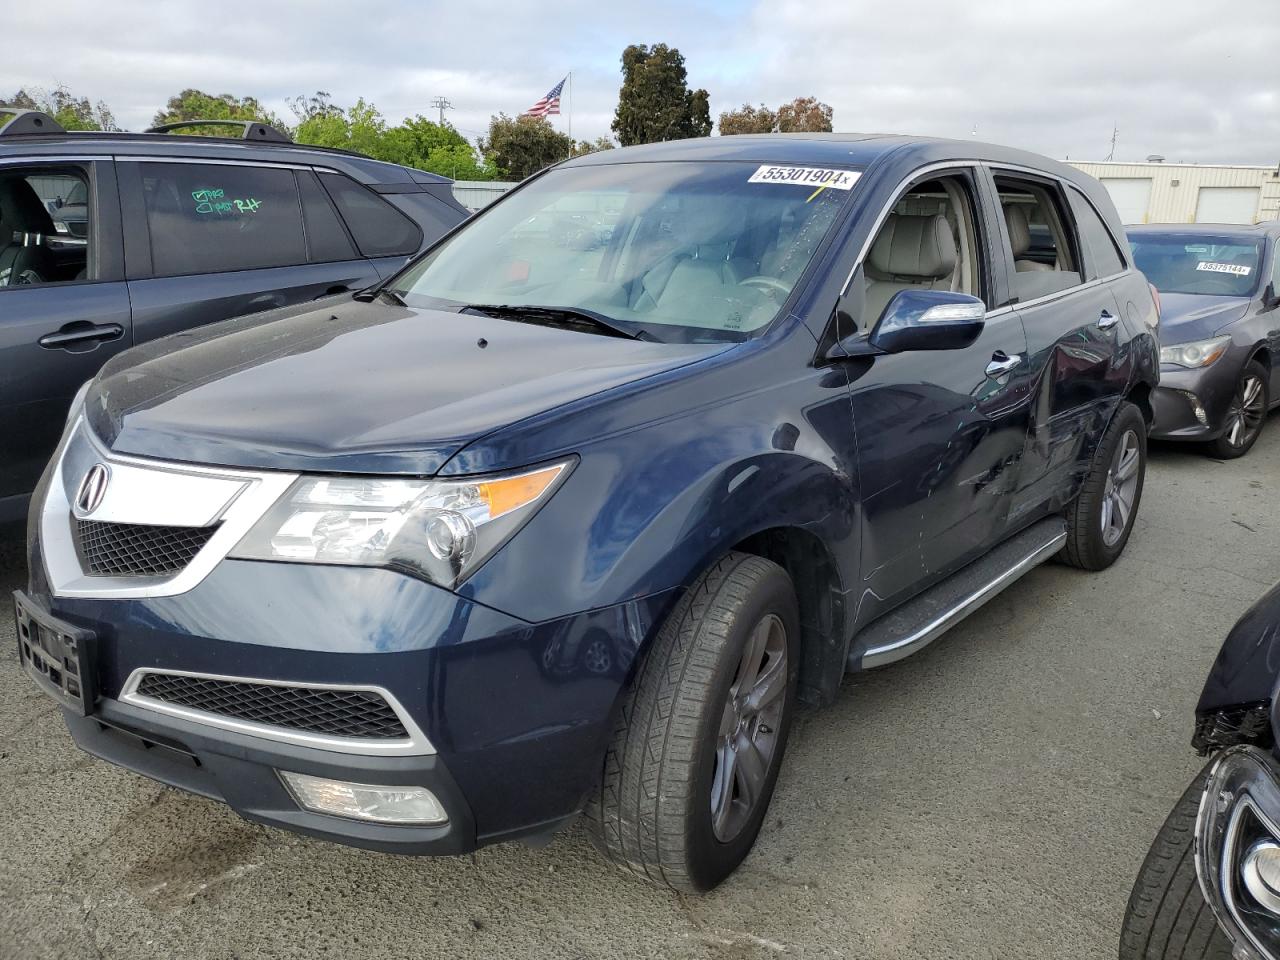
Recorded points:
250,129
26,121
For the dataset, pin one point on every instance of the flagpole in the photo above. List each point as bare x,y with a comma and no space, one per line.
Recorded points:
571,113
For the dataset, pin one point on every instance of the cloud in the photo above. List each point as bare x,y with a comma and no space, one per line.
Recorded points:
1176,77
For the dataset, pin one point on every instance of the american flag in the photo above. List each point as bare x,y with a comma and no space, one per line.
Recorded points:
549,104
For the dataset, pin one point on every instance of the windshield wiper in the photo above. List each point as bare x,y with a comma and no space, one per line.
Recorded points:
567,316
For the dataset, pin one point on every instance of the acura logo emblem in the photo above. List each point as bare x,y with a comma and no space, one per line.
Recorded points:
92,488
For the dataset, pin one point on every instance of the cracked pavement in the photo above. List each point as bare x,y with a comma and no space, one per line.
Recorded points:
990,797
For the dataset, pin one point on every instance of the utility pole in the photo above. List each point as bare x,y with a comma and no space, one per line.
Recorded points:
442,104
1115,132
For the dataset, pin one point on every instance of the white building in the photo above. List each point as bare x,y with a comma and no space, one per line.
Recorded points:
1158,192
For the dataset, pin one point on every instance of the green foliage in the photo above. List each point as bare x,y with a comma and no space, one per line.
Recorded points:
801,115
521,146
748,120
593,146
74,113
193,104
418,142
655,102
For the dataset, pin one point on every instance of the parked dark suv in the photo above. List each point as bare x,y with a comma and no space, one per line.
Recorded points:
109,240
558,521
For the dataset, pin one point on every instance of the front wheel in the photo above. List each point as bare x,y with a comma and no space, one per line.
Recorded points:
1167,917
1101,518
1248,411
699,740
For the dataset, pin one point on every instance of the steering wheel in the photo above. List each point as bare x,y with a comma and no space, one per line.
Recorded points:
766,283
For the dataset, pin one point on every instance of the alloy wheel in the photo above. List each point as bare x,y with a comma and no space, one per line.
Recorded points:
1121,490
748,737
1248,408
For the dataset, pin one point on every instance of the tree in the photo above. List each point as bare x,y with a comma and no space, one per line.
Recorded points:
193,104
748,120
72,112
521,146
655,102
360,128
593,146
804,115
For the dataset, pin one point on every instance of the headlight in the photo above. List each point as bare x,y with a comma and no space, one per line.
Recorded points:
1199,353
441,529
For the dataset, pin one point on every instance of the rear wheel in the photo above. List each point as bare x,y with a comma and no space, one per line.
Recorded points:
1167,917
1101,518
1246,415
695,754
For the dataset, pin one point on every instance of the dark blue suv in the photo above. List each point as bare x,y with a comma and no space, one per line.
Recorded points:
111,239
569,515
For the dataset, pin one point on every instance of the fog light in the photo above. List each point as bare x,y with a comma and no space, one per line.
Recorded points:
1261,873
362,801
1196,406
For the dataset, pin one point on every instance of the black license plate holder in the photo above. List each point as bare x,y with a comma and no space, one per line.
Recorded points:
56,655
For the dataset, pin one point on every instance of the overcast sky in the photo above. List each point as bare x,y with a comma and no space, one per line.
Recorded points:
1187,79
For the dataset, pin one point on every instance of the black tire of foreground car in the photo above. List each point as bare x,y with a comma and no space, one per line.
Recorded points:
1249,409
1167,917
708,712
1100,519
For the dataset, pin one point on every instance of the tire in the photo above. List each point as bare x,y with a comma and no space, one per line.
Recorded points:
1167,917
1249,408
652,814
1094,543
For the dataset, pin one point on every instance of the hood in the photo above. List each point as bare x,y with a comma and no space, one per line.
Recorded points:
1197,316
353,387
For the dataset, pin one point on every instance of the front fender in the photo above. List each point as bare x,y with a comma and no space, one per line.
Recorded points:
1248,663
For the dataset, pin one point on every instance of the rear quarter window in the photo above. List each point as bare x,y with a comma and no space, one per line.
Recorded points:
1104,257
379,229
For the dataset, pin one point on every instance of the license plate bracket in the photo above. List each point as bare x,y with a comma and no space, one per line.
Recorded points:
56,655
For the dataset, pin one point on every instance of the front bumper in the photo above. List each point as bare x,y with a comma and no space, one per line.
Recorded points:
1181,391
1240,807
517,714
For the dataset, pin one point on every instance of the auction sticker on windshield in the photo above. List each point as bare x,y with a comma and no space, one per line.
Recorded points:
806,176
1239,269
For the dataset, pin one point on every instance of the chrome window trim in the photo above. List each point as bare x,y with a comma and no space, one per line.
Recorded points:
225,162
256,494
416,745
37,158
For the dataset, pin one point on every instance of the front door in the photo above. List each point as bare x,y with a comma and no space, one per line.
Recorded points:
64,309
940,433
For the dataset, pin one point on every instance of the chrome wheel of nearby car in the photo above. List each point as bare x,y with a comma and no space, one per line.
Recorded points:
748,735
1248,410
1121,488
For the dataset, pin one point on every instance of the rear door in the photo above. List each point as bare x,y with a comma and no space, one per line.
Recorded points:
205,241
1074,328
66,311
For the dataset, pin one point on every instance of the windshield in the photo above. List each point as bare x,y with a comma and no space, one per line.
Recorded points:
680,252
1183,263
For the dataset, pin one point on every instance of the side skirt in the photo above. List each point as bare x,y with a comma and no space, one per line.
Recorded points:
921,620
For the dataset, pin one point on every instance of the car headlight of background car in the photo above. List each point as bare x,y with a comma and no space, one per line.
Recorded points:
1198,353
442,530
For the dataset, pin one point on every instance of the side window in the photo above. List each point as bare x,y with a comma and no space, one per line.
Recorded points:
1275,267
930,241
1039,238
215,218
380,230
44,226
1103,257
327,239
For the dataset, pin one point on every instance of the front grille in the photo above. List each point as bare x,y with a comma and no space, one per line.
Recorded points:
336,713
137,550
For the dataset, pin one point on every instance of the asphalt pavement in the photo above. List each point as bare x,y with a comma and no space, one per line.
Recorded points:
990,797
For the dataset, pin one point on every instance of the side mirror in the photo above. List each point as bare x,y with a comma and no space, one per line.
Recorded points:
920,320
1271,297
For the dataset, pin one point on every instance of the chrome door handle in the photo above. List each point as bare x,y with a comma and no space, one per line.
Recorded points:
71,335
1107,320
1001,363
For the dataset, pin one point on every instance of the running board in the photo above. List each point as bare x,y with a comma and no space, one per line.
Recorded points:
921,620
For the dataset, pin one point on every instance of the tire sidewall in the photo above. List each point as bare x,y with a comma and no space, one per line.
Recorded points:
1127,418
1222,448
710,859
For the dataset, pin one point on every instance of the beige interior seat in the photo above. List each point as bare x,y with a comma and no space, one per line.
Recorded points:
909,253
705,232
1019,227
